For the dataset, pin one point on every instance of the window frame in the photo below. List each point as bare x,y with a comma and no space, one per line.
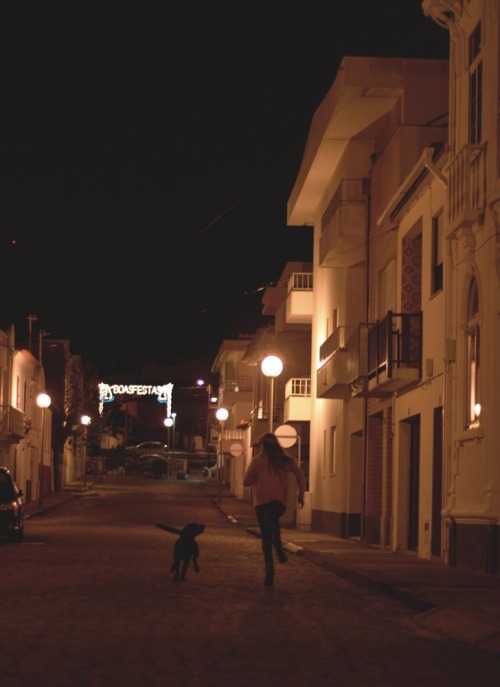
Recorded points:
437,253
473,356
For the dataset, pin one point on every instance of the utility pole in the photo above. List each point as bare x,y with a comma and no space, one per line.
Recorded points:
40,340
31,319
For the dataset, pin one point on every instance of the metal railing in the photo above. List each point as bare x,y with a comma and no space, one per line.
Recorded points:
395,342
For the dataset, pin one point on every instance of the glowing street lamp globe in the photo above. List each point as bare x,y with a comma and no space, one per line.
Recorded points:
222,414
272,366
43,400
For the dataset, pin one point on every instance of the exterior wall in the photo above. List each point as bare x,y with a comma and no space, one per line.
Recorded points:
377,139
25,458
431,474
472,509
429,394
325,486
26,453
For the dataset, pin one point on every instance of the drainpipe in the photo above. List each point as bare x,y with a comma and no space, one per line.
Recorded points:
367,190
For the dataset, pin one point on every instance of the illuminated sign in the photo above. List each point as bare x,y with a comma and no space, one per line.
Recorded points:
107,393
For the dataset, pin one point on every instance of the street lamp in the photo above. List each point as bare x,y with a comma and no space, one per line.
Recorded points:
173,416
169,422
85,421
222,414
211,399
43,401
271,367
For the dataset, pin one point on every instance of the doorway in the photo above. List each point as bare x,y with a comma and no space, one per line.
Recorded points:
412,425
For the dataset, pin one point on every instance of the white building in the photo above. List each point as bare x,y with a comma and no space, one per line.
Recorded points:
25,428
471,474
399,179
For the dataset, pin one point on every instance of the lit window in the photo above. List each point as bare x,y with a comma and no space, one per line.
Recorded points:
437,254
473,356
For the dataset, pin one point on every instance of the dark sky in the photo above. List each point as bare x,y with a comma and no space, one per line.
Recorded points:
148,158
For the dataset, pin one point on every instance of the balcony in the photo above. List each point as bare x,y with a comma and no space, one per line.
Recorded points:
376,361
394,360
332,343
299,299
345,354
297,406
466,188
233,391
13,425
342,240
332,377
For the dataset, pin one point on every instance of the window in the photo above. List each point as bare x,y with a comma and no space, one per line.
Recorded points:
437,254
473,356
475,86
386,289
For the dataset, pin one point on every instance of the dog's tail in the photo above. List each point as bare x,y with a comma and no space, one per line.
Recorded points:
174,530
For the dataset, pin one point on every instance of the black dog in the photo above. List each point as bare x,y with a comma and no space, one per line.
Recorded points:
186,549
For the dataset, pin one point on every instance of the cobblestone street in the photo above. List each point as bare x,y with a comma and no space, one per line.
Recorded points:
91,601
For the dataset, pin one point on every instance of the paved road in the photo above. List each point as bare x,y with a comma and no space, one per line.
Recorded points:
88,599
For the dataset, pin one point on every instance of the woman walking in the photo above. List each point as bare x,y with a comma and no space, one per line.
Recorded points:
268,473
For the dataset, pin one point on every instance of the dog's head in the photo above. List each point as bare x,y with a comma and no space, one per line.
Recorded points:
192,530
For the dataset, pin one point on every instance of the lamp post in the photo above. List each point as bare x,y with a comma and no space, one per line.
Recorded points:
271,367
173,416
222,414
43,401
211,398
169,422
85,421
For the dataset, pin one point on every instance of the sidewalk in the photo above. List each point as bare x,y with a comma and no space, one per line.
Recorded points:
460,604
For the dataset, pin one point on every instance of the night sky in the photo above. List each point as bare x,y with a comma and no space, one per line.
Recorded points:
148,157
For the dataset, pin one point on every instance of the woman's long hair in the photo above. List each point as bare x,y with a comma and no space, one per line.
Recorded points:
278,459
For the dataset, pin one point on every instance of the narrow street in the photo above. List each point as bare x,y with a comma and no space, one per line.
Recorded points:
88,599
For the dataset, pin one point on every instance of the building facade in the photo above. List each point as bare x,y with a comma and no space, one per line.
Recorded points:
399,181
471,474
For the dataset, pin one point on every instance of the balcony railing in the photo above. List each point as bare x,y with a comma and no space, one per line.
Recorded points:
302,281
297,400
335,341
376,360
299,299
298,386
344,356
466,187
394,353
13,424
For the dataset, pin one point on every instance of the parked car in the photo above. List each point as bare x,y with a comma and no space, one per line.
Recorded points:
11,507
147,447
